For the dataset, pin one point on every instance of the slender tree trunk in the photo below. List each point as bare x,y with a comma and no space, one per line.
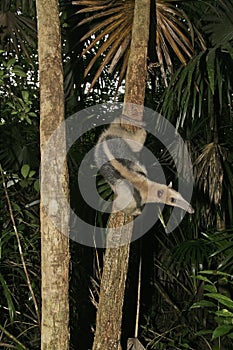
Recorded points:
109,314
112,289
54,241
137,66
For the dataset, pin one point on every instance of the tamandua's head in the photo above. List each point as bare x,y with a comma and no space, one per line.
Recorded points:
159,193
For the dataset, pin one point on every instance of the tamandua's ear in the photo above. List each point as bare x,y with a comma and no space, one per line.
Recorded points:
170,185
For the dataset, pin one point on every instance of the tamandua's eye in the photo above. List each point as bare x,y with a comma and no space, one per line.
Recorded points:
173,200
160,193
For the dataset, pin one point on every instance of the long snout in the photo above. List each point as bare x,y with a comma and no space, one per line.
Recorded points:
183,204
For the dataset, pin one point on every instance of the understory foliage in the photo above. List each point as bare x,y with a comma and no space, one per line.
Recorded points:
19,206
186,282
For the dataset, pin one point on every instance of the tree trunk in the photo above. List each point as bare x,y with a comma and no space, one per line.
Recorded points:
137,66
109,314
54,211
112,289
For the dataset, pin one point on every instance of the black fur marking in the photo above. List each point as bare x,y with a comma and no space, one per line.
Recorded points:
110,173
130,166
137,197
120,149
141,173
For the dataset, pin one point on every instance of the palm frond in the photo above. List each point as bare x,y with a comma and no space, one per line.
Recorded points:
18,27
112,32
223,243
192,253
209,170
173,34
110,27
220,23
193,86
185,90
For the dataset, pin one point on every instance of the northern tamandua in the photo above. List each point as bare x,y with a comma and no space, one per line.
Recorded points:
116,155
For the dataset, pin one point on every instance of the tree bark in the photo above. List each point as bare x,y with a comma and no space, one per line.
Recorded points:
54,212
136,75
109,314
112,289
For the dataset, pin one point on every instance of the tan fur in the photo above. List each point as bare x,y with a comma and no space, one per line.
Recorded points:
149,189
115,129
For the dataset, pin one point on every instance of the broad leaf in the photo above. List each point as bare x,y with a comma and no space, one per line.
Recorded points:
222,299
221,330
25,170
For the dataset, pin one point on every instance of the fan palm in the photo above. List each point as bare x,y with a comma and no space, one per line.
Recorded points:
111,29
18,26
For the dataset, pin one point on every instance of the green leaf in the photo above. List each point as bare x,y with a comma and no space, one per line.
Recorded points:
210,62
7,294
16,207
203,278
25,95
19,72
32,114
24,183
210,288
222,299
215,273
10,62
221,330
219,86
203,303
10,104
25,170
37,185
224,313
31,173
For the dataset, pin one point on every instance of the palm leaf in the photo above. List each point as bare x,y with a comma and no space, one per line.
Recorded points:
8,297
210,64
220,24
192,252
112,28
193,86
223,243
209,170
18,26
220,85
173,31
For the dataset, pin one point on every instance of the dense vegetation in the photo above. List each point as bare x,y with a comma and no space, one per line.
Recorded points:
186,291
